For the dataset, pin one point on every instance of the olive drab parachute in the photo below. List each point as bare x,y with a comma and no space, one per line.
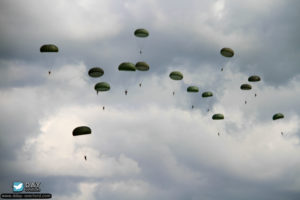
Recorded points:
227,52
102,87
142,66
254,78
246,87
142,33
96,72
176,75
278,116
82,130
192,89
218,116
127,66
207,94
49,48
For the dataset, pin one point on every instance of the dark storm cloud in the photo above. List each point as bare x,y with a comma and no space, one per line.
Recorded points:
269,44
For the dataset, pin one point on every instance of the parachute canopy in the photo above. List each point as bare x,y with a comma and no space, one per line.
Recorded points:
141,33
127,66
176,75
96,72
254,78
48,48
192,89
142,66
227,52
207,94
246,87
82,130
102,87
218,116
278,116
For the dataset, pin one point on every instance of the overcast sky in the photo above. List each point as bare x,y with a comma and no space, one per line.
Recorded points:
150,144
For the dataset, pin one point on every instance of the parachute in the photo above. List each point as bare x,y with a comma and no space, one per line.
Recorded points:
218,116
254,78
176,75
96,72
207,94
246,87
227,52
49,48
142,66
278,116
142,33
127,66
102,87
192,89
82,130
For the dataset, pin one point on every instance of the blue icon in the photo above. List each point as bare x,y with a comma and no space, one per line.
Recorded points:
18,186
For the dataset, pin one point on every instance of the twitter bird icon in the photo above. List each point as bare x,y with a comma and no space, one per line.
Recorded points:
18,186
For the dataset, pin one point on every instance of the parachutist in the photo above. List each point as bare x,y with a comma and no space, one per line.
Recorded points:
255,95
222,69
85,158
103,107
218,134
140,51
140,84
281,133
245,102
49,72
173,93
125,92
192,106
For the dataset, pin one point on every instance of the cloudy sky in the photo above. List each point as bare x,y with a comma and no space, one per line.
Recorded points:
150,144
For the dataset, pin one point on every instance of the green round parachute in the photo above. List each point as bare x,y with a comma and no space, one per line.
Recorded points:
82,130
48,48
227,52
278,116
254,78
218,116
192,89
141,33
246,87
96,72
142,66
102,87
176,75
127,66
207,94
